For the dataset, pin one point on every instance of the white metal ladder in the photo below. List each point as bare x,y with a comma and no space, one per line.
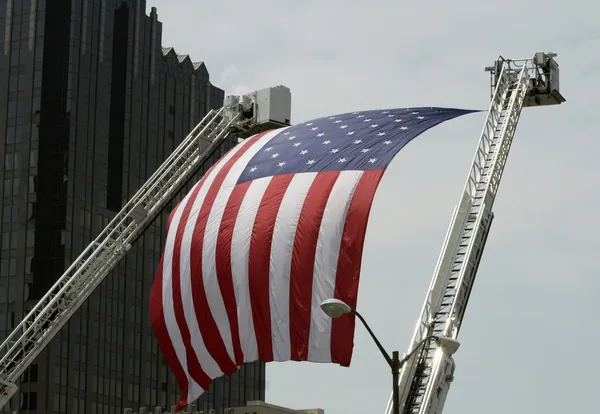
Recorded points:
457,265
71,290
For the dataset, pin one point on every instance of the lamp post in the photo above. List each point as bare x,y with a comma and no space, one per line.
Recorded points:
334,308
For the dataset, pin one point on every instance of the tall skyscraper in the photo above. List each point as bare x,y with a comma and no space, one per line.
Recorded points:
90,105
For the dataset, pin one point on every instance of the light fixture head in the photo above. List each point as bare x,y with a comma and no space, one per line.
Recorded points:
448,345
334,308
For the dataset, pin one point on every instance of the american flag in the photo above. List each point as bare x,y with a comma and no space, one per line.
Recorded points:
272,229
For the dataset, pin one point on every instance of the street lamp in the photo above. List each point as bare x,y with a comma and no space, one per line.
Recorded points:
334,308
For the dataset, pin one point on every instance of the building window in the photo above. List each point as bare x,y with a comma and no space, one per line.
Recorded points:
20,107
7,191
30,238
12,187
14,235
32,184
34,132
9,161
16,184
14,57
31,211
29,266
14,134
12,108
29,401
35,106
37,79
33,158
39,51
10,135
31,374
18,133
12,84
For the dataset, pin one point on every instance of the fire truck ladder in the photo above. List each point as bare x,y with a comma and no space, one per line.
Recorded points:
425,378
71,290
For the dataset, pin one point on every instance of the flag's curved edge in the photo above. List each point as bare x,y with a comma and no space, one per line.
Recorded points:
342,329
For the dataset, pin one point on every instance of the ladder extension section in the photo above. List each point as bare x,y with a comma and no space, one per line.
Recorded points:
71,290
448,294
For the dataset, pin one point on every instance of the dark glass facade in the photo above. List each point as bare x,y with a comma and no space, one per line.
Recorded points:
90,105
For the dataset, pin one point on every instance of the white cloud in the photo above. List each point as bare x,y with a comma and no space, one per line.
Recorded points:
530,326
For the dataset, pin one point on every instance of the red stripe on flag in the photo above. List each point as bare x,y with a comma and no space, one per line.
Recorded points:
259,261
349,262
158,320
203,175
159,325
208,327
223,265
303,262
194,367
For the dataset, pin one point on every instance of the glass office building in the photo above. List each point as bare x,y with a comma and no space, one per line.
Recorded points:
90,105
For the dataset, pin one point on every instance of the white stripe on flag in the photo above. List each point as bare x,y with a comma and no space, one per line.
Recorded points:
205,359
326,262
167,294
282,247
213,224
240,250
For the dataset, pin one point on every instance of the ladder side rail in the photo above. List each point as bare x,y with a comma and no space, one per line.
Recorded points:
483,156
191,146
210,118
104,236
464,286
440,280
478,195
438,354
511,126
489,193
188,160
423,328
177,154
482,225
39,327
485,143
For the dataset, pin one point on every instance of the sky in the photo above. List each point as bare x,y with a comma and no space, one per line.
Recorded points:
531,329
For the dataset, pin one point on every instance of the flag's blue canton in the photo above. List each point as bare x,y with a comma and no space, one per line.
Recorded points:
366,140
